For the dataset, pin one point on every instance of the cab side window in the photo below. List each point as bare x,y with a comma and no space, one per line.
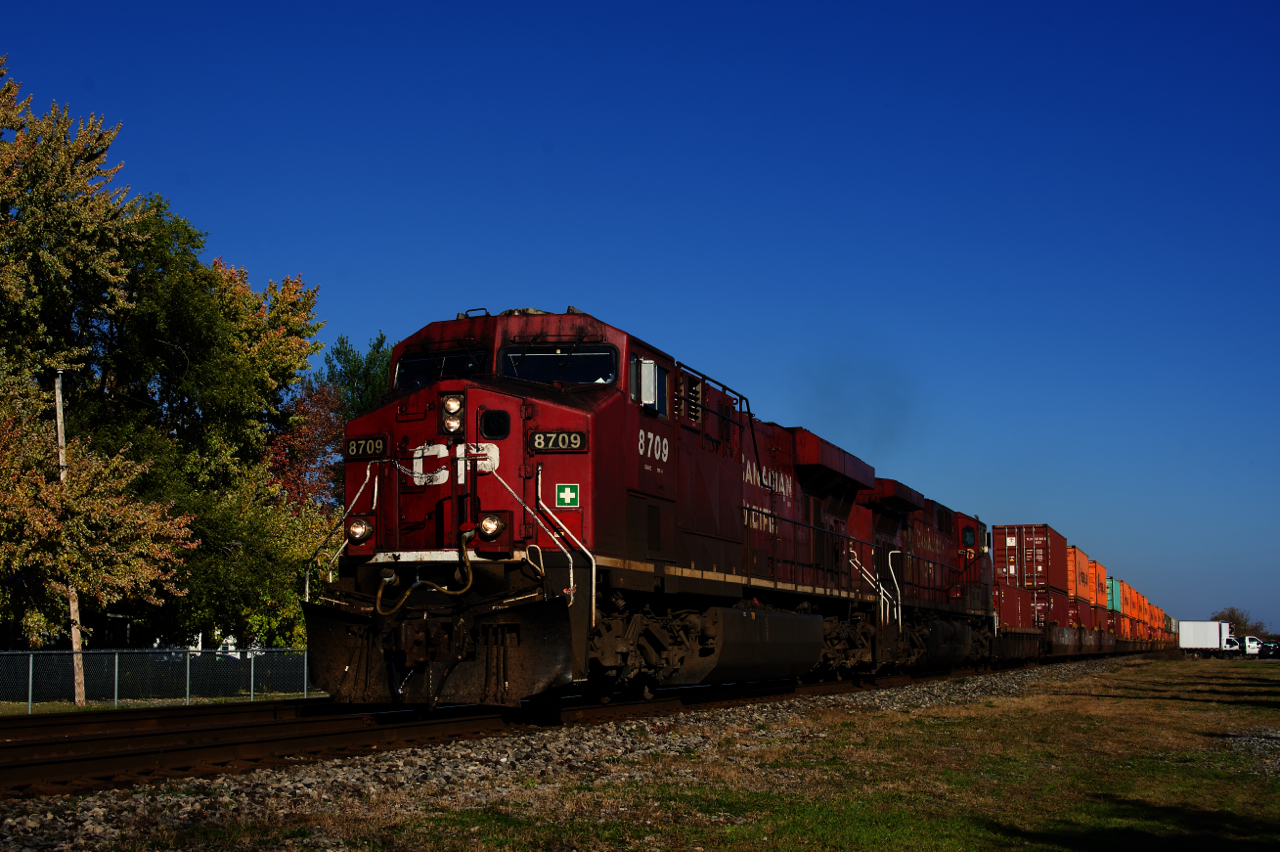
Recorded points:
659,404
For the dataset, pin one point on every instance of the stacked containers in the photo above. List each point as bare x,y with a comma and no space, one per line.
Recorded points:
1051,608
1129,609
1115,606
1068,589
1077,577
1115,601
1098,585
1014,605
1033,556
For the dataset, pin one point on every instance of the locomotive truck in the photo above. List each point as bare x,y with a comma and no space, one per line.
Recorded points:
546,501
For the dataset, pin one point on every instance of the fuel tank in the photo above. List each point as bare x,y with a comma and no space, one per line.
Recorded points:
753,645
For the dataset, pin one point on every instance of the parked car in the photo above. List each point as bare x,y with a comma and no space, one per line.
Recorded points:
1269,650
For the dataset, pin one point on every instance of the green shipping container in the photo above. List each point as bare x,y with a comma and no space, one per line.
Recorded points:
1113,595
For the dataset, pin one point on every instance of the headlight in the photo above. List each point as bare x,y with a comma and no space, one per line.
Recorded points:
358,529
452,423
491,526
451,404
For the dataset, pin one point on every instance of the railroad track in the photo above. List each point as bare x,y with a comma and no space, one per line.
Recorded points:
86,722
57,754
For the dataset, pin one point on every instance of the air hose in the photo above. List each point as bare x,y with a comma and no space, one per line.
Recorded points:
466,563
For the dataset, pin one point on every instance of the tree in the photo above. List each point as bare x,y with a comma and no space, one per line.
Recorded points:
181,382
247,577
89,533
360,378
1242,623
350,383
62,228
200,358
302,457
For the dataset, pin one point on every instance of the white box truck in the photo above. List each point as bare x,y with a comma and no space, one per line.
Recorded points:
1207,639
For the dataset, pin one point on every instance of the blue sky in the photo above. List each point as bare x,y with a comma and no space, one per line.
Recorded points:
1023,257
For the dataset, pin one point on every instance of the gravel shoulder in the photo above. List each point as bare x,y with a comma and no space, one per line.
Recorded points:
529,767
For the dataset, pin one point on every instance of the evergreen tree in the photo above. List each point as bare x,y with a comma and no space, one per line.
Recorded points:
360,378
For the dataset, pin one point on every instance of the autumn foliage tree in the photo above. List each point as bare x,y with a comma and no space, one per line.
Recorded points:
302,457
89,533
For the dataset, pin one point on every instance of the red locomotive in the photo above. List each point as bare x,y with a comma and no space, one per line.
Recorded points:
545,500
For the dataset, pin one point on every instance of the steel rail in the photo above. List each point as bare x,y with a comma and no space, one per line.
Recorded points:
45,725
71,764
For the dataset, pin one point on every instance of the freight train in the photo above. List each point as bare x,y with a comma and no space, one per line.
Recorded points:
545,502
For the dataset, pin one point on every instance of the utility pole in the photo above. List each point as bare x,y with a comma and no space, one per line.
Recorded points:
73,599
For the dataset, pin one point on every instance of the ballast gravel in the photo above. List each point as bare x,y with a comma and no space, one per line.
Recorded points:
473,773
1263,744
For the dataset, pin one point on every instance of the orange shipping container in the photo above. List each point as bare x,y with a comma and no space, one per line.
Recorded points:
1077,573
1098,581
1130,596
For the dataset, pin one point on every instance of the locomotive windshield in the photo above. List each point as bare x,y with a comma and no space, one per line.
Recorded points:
425,368
566,364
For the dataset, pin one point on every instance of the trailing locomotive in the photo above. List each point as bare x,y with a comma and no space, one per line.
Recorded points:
545,500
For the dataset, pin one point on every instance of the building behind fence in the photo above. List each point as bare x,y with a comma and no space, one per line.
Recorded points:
127,675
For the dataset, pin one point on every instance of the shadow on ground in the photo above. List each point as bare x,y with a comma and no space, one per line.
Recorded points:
1133,824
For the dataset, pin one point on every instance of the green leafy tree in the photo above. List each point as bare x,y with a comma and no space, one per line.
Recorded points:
201,358
62,230
246,579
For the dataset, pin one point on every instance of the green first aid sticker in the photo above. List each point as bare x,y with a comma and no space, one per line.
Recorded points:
567,496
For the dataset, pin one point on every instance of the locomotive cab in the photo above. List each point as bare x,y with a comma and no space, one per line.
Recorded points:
467,569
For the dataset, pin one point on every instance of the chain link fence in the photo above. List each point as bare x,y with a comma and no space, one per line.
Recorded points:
36,677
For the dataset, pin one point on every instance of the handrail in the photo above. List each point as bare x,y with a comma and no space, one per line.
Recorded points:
846,537
873,581
572,589
896,587
535,517
742,398
576,542
368,471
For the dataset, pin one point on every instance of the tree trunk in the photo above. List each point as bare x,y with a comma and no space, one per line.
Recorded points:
77,658
73,599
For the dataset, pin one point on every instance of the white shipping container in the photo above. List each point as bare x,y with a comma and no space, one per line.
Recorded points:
1203,635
